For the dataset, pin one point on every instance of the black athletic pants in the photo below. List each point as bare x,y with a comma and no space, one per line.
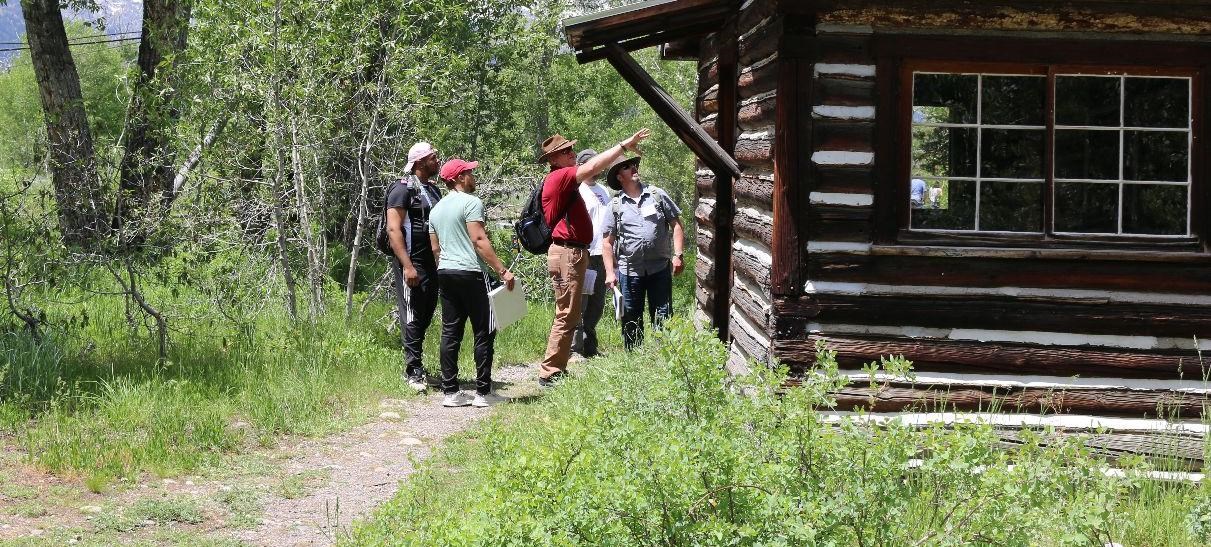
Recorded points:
464,296
415,306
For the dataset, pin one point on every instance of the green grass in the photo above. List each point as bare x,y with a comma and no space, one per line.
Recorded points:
155,511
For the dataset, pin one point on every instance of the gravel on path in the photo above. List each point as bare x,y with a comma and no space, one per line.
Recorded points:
367,464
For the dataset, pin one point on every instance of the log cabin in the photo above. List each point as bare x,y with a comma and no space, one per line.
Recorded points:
1012,194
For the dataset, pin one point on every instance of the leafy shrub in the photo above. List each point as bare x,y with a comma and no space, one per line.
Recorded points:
662,447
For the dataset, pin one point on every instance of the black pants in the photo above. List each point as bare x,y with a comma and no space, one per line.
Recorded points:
464,296
415,306
591,307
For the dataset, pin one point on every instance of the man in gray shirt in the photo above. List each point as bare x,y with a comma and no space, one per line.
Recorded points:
643,241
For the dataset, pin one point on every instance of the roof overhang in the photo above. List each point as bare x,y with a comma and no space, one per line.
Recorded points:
644,24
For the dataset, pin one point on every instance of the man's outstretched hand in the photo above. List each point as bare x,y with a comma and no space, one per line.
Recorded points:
632,144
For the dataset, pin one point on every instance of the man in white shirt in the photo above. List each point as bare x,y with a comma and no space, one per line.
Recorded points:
597,200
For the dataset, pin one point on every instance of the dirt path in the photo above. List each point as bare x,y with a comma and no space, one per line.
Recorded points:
302,492
367,464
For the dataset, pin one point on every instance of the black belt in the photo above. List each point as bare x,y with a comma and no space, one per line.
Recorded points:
572,244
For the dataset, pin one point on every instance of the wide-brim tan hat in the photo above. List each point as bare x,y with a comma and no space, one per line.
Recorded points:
553,144
612,172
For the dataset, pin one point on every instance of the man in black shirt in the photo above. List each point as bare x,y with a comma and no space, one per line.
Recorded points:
409,202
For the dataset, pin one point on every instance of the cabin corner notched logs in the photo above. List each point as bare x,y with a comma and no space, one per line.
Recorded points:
813,106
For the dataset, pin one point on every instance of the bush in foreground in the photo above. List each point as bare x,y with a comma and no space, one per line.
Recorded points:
661,447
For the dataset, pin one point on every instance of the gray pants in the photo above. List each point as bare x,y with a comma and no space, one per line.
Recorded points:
584,341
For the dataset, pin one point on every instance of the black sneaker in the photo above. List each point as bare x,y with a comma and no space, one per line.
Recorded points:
551,381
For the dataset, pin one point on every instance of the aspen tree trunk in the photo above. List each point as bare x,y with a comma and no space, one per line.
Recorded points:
79,192
314,268
278,191
363,171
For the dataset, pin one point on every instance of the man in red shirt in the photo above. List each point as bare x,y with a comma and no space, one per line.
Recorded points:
570,238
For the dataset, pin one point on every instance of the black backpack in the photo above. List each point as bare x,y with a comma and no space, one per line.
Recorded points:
381,241
531,228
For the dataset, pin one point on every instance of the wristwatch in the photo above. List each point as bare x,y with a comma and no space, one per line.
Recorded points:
677,255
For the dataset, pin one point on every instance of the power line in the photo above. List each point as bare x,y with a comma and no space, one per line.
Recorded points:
114,40
82,37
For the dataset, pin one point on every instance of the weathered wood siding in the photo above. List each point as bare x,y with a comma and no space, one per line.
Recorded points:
975,310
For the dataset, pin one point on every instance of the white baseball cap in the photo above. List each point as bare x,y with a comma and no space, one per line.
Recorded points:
419,151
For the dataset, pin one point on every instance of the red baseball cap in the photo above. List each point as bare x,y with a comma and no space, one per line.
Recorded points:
455,167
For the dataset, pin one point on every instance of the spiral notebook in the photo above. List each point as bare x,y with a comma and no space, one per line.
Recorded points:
507,305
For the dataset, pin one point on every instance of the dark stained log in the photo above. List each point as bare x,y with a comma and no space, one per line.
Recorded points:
711,128
754,13
704,213
1030,16
704,182
760,42
844,180
891,134
1187,246
992,272
758,80
705,239
755,151
1138,403
751,346
704,270
725,181
851,230
757,271
685,49
844,135
635,20
792,155
754,227
965,356
1003,312
667,108
705,297
80,194
756,187
751,308
840,90
1185,451
711,93
758,114
847,49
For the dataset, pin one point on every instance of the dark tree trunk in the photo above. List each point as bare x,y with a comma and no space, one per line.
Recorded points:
79,193
147,169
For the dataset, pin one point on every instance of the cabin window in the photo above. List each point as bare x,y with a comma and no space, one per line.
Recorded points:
1049,151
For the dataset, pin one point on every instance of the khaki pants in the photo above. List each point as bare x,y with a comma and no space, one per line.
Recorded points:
566,266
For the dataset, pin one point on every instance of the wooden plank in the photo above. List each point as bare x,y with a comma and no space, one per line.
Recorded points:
963,356
1007,313
740,335
667,108
750,307
843,48
843,135
790,236
756,270
757,227
725,181
890,149
758,80
760,113
885,397
842,91
842,179
761,42
756,150
1009,272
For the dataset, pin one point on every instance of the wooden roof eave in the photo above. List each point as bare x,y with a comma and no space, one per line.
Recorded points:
612,34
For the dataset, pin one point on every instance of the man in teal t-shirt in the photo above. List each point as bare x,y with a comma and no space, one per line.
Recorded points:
459,240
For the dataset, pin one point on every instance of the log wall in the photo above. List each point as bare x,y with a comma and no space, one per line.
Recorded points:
977,309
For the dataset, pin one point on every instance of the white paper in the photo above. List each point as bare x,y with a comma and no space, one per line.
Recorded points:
648,210
590,281
507,305
617,303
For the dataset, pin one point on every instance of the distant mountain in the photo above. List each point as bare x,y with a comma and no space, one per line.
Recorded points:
117,15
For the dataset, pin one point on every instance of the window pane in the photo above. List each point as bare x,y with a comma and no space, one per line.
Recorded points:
944,152
1013,100
953,208
1157,102
944,98
1156,155
1154,209
1012,153
1086,207
1087,100
1011,206
1082,154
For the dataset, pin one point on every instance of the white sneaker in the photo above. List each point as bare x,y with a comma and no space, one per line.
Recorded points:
456,399
485,401
418,384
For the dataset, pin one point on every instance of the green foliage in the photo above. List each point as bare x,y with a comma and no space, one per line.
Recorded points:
662,447
166,510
